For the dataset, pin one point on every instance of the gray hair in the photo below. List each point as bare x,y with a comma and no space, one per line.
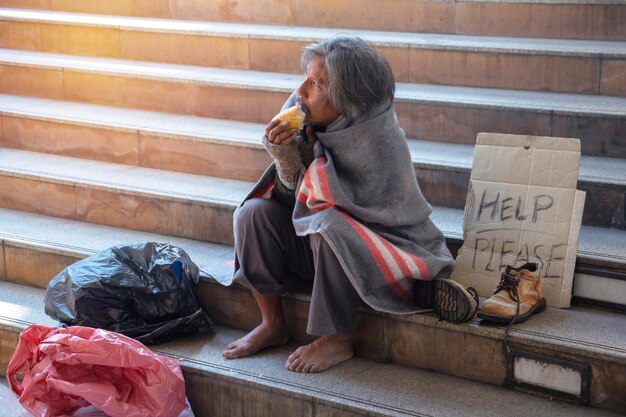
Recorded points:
359,78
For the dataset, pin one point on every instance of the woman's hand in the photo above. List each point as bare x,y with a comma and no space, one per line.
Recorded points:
280,144
278,133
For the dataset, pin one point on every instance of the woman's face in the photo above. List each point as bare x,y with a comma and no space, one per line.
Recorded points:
313,94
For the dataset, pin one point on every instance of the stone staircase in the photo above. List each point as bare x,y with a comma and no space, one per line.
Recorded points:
124,121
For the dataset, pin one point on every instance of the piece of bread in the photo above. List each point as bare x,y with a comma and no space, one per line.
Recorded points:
293,115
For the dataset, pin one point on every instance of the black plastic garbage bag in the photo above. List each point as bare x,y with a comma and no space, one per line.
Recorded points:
143,290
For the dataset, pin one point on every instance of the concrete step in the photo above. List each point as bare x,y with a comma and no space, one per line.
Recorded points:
574,66
174,142
559,339
230,149
37,247
432,112
185,205
575,19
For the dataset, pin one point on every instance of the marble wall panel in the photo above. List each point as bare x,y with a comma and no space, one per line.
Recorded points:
35,196
245,104
443,187
416,16
59,38
203,158
369,335
89,142
20,35
31,81
176,217
143,8
604,206
524,72
141,93
34,267
274,12
3,267
80,40
613,77
447,351
574,21
186,49
399,60
276,55
229,306
599,136
29,4
217,397
8,343
462,124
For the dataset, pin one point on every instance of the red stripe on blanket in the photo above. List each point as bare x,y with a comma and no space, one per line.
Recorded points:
323,180
264,192
397,258
422,267
380,261
315,191
395,252
305,189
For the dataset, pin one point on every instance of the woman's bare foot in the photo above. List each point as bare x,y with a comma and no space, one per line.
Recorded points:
325,352
262,336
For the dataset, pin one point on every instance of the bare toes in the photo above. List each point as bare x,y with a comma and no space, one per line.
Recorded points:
294,364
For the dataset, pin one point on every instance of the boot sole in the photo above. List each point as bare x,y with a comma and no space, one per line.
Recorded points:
450,302
538,308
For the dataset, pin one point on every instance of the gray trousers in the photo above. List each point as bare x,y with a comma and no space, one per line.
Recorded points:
273,259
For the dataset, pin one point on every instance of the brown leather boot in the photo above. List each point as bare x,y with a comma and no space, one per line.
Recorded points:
453,302
518,296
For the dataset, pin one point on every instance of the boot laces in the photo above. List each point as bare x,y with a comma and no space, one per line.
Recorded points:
474,294
509,283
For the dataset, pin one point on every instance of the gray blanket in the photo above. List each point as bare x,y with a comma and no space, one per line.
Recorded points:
361,195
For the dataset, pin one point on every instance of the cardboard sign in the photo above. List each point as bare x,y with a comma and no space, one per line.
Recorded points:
522,206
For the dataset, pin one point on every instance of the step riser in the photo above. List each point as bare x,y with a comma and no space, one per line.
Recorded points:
213,394
134,148
116,208
416,344
388,338
229,52
604,205
217,395
569,21
377,337
456,123
415,341
3,266
432,121
70,140
9,338
475,69
575,21
31,267
183,97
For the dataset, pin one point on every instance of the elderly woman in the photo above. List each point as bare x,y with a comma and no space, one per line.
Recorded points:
340,206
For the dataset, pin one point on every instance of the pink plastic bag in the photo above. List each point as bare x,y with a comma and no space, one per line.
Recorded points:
66,369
